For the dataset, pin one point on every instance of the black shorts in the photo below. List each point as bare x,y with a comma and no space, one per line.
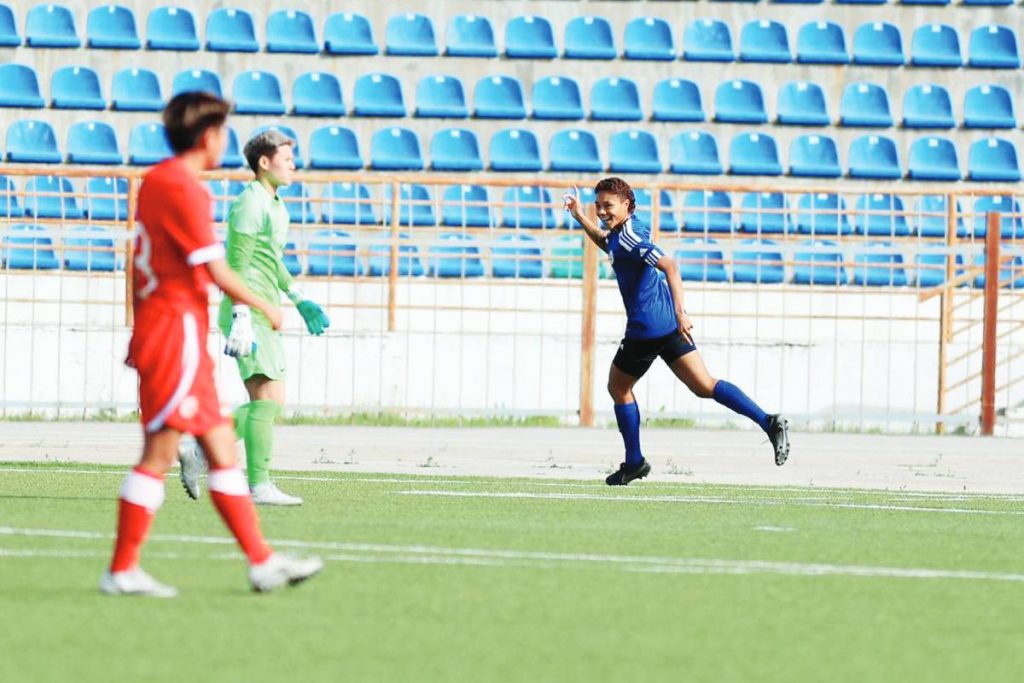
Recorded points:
636,355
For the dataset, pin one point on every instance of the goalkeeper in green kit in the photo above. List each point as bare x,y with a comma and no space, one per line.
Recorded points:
257,234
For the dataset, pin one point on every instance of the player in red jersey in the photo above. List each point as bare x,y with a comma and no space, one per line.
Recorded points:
177,256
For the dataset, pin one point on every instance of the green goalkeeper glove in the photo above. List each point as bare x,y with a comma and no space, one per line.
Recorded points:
313,315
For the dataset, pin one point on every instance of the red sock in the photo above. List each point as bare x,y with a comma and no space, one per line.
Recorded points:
142,494
230,493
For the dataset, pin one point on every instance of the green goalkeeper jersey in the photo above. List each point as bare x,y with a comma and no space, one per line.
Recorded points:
257,234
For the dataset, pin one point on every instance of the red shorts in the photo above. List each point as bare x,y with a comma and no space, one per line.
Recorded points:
176,385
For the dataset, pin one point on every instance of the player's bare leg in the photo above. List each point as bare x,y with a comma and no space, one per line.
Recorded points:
266,397
627,414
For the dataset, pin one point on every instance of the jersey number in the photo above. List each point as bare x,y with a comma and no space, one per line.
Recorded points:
146,280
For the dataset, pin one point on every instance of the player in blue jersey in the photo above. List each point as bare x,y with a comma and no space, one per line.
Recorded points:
657,325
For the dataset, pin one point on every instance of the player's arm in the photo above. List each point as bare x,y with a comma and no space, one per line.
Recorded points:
668,265
574,206
232,286
312,313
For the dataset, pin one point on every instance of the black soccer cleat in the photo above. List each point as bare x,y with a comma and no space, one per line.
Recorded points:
627,473
778,434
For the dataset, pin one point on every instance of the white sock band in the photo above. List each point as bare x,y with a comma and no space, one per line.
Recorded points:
230,482
143,490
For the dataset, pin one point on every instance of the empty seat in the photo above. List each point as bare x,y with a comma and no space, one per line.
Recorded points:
649,38
466,206
644,209
409,263
89,248
802,103
931,267
758,261
498,97
701,260
739,101
517,256
455,149
348,204
19,87
567,258
875,157
708,40
993,159
223,193
415,206
191,80
676,99
112,27
928,106
527,206
10,206
231,30
615,99
694,152
1010,224
410,35
879,265
878,43
993,47
589,38
880,214
334,147
93,142
148,144
865,104
820,263
763,40
555,97
51,25
707,211
171,28
814,156
529,37
297,200
821,42
32,142
8,28
332,252
931,216
257,92
232,157
292,31
106,199
441,97
51,197
455,256
935,45
29,247
76,87
989,106
470,35
347,33
763,213
821,213
136,90
933,158
515,149
317,93
634,151
574,150
754,154
395,149
1010,272
378,95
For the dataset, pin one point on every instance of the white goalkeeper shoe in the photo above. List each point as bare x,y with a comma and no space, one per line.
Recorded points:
193,464
281,569
135,582
269,494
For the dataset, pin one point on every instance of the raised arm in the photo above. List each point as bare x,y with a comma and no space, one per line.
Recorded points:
574,206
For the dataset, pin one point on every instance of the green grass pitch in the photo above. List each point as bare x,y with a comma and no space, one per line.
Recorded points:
451,579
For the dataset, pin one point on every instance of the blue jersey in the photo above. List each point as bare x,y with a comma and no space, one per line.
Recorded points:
650,312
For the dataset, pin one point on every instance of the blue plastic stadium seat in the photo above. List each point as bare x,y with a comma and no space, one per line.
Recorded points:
931,268
708,40
821,214
879,265
814,156
993,159
865,104
291,31
527,206
441,97
676,99
470,35
415,206
51,197
231,30
76,87
634,151
51,25
466,206
802,103
707,211
298,202
988,2
589,37
701,260
763,213
285,130
615,99
334,147
232,156
410,35
29,247
347,204
455,255
455,149
644,206
1011,225
223,193
933,158
498,97
928,106
925,2
1011,273
520,258
106,199
529,37
738,101
89,248
136,90
989,106
332,252
515,149
694,152
880,214
574,150
558,98
30,141
379,95
395,149
763,40
754,154
347,33
874,157
19,87
92,142
409,262
758,261
935,45
201,80
148,144
931,217
257,92
171,28
821,264
10,206
821,42
112,27
9,36
649,38
317,93
878,43
993,47
567,258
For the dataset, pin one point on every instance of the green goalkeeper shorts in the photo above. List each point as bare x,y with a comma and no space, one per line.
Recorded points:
267,359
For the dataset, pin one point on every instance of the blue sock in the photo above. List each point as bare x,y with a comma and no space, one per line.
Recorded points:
628,417
733,398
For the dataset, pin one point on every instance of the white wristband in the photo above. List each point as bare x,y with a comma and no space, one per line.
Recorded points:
295,295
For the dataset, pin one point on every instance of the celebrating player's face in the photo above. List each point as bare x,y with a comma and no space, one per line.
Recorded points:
612,209
280,168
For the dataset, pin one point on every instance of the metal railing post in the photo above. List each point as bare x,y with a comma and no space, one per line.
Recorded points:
991,319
